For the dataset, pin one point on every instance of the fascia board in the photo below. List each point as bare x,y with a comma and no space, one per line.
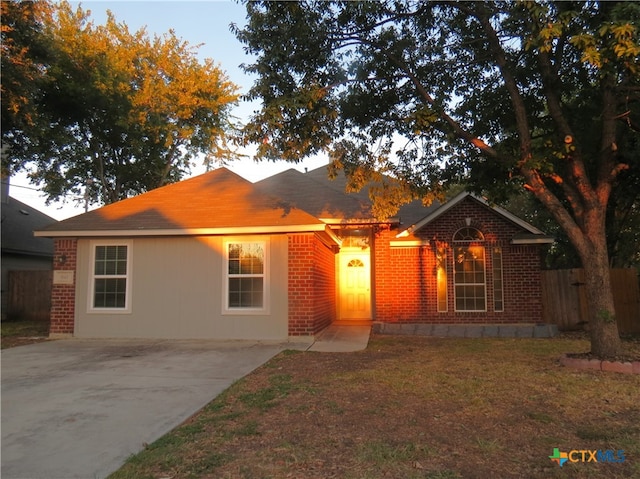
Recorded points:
447,206
183,231
427,219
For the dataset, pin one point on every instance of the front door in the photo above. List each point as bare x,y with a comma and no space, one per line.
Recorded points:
355,284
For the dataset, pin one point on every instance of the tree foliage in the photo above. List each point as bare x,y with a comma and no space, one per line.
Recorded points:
499,95
24,52
115,111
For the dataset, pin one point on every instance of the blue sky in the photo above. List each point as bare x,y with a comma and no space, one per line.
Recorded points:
203,22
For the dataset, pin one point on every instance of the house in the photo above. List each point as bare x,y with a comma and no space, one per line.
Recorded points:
22,252
216,256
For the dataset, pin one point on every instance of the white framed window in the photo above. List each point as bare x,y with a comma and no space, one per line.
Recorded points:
246,276
469,271
442,290
110,288
498,283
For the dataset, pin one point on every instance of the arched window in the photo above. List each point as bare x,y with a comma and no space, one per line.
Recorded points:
469,270
468,234
355,263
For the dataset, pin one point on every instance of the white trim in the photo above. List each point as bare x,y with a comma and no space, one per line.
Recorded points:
457,199
265,309
92,277
409,244
184,232
545,240
333,236
439,267
358,221
456,284
493,274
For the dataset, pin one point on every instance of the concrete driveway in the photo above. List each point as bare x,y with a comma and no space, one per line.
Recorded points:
80,408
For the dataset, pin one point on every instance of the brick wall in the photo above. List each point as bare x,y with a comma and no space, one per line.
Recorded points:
406,289
63,295
324,284
311,285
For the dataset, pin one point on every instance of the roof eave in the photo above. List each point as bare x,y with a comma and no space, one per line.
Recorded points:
429,218
540,240
358,221
183,231
448,205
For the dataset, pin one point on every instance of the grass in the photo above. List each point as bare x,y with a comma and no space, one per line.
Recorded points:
20,332
410,408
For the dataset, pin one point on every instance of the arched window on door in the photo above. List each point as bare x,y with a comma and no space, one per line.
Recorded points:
469,270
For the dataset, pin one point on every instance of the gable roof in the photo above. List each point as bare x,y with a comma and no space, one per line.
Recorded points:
222,202
19,221
328,199
316,197
217,202
530,235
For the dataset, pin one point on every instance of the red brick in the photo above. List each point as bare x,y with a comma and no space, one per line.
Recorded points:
63,296
617,367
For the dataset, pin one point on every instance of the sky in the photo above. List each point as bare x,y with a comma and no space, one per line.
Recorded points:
204,22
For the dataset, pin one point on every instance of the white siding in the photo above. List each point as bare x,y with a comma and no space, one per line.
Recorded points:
176,293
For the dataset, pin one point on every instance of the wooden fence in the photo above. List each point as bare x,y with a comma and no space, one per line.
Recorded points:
29,295
564,300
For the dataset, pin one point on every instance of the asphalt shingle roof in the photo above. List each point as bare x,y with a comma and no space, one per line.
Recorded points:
323,197
19,221
217,199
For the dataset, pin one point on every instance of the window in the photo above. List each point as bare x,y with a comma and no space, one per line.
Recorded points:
110,283
246,281
498,289
441,258
469,270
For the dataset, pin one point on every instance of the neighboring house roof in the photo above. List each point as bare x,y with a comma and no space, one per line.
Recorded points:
19,221
218,202
529,235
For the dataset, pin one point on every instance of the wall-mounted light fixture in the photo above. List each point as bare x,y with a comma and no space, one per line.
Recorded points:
62,259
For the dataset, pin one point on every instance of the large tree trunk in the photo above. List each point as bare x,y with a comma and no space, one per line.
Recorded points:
592,248
588,236
605,339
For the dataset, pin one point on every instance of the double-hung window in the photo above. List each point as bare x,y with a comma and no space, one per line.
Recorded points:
111,276
246,276
469,270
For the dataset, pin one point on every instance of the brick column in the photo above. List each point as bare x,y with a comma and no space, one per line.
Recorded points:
63,291
301,284
383,276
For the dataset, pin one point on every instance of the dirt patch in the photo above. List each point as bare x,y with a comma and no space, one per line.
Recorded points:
630,348
20,333
408,407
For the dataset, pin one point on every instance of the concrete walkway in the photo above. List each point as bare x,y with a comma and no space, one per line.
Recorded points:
77,409
343,337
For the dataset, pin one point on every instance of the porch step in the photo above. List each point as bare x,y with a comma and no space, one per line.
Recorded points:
541,330
352,322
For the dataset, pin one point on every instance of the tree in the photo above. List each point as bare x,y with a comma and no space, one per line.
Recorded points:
500,95
23,53
117,112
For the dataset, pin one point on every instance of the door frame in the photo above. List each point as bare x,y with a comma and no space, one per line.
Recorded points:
353,252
